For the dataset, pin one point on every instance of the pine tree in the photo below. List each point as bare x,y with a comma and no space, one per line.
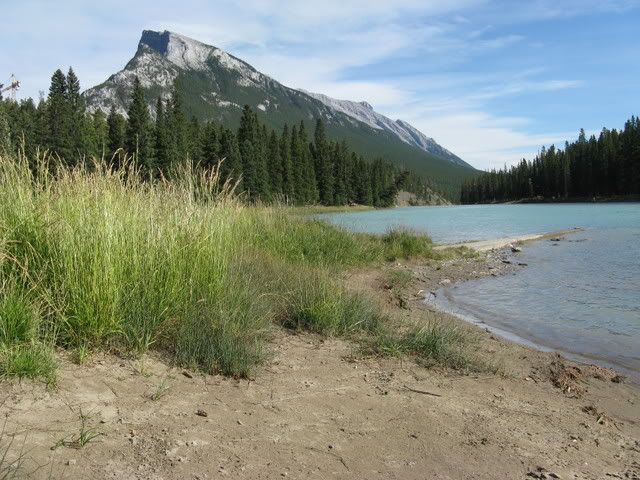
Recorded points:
5,137
116,134
57,136
231,167
309,185
323,166
275,165
288,180
210,145
248,152
162,162
99,135
176,129
194,141
138,135
78,125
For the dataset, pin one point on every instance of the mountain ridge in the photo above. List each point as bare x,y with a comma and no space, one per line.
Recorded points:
406,132
216,85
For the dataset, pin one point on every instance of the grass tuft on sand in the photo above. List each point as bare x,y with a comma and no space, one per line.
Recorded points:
97,259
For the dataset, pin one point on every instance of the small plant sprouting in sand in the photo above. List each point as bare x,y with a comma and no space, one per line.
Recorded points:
160,390
81,354
140,368
87,433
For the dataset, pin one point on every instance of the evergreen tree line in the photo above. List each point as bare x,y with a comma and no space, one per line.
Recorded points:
607,166
270,165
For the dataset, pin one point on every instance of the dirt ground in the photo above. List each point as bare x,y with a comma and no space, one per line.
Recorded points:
319,409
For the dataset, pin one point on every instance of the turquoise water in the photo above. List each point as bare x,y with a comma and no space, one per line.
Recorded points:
579,296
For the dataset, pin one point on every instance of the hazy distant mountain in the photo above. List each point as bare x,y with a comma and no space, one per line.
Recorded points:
217,85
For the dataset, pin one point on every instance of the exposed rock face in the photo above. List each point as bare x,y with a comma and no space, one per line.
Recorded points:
216,85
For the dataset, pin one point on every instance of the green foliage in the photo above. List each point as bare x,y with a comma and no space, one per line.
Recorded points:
87,433
608,166
138,131
437,342
398,279
19,317
404,243
267,165
28,360
97,258
318,305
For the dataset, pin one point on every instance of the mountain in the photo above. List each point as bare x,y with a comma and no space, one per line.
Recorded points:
364,112
216,85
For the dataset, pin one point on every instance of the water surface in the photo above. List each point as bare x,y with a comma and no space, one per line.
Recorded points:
580,296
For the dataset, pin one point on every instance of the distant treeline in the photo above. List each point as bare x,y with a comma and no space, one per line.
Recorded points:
271,165
607,166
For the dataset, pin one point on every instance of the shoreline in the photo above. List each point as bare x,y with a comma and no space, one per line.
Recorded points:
501,247
320,408
503,242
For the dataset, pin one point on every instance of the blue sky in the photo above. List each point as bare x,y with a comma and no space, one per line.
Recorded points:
490,80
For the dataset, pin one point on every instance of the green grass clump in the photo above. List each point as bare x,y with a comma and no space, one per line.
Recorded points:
93,258
404,243
26,360
438,342
398,279
19,317
316,304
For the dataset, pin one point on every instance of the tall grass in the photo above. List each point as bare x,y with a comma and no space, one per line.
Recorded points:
93,258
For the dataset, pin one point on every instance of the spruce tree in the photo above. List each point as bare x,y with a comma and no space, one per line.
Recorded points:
5,137
78,125
99,134
210,145
231,167
138,136
323,165
176,129
57,118
297,162
116,134
288,180
275,165
161,140
309,185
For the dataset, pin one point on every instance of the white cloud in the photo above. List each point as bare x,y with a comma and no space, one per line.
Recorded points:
346,49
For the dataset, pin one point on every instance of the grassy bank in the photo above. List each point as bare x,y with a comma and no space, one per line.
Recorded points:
94,259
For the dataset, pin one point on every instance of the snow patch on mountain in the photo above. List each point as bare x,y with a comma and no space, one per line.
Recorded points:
364,112
164,56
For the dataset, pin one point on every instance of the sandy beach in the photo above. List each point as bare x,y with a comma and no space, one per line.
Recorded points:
322,409
498,243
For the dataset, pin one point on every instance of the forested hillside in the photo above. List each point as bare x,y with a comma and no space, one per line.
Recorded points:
292,165
603,167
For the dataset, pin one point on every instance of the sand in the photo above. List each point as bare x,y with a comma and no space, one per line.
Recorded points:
320,409
498,243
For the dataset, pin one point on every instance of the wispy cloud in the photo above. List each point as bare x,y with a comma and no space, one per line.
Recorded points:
458,69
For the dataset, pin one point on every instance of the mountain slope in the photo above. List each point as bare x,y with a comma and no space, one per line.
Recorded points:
365,113
216,85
